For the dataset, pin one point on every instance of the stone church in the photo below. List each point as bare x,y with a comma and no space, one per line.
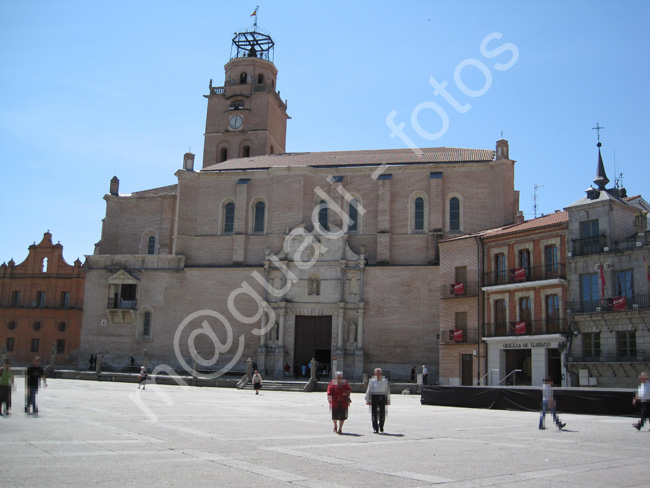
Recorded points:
282,257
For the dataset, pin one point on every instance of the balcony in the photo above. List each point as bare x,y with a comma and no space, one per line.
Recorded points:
531,327
470,335
122,304
613,304
588,245
523,275
608,357
459,290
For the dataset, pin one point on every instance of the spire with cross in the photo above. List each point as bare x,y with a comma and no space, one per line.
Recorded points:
598,128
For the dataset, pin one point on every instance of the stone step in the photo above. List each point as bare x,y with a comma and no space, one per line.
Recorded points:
279,385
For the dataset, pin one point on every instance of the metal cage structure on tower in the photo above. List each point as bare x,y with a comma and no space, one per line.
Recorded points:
252,43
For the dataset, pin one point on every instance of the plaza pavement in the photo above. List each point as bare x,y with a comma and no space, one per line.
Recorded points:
94,434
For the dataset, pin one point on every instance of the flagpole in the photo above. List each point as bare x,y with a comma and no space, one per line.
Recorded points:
257,14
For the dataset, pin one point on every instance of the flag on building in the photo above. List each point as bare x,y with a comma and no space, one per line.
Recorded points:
520,328
602,281
254,13
647,271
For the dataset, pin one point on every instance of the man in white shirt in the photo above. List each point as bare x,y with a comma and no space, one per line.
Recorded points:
548,402
378,397
642,397
425,374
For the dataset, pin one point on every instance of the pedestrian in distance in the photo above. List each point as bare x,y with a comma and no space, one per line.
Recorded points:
425,374
413,375
91,362
338,395
33,378
6,384
549,402
257,382
142,378
287,370
642,399
378,397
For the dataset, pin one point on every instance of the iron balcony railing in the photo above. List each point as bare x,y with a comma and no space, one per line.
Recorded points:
115,303
607,357
449,335
613,304
588,245
525,328
459,290
526,274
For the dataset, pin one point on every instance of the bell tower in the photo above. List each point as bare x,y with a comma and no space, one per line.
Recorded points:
246,116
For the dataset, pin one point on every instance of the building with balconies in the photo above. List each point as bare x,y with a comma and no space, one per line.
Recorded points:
609,309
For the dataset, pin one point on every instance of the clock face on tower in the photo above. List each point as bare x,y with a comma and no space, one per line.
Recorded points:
235,122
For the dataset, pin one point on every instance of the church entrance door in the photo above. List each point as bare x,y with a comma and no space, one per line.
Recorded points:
313,338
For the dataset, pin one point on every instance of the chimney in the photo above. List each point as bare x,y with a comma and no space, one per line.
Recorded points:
188,161
502,149
115,186
519,217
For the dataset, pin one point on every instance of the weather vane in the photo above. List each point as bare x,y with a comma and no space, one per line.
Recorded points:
598,128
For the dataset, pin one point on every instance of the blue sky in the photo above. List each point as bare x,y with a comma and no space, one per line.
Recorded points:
89,90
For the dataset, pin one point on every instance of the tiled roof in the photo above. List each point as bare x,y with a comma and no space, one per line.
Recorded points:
155,192
357,158
538,223
602,196
545,221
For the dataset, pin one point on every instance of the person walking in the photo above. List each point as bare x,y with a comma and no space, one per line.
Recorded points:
378,397
33,378
142,378
257,382
413,375
642,398
338,395
549,402
425,374
287,369
6,384
91,363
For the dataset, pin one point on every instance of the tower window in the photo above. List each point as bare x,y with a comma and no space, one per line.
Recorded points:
260,79
229,218
237,105
243,78
454,214
260,210
246,152
223,154
271,151
44,265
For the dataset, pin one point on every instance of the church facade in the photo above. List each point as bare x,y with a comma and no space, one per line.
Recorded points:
284,257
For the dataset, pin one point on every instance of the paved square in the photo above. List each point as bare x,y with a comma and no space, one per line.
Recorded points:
94,434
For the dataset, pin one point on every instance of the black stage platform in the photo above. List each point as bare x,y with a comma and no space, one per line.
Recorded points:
594,401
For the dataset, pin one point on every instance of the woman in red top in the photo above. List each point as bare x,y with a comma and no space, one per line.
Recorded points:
338,394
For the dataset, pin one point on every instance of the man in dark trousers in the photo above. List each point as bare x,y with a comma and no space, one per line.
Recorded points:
32,380
378,397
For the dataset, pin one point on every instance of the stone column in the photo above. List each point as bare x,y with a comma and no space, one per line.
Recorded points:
282,313
339,339
342,266
249,368
360,327
262,327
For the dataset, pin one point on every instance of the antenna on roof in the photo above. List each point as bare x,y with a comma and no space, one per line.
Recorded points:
535,199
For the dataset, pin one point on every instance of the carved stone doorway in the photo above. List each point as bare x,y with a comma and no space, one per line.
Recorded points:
313,338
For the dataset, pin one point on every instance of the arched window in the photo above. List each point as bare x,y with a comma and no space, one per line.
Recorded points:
246,152
44,265
242,78
322,216
229,218
260,79
151,245
223,154
353,214
418,222
454,214
146,324
260,211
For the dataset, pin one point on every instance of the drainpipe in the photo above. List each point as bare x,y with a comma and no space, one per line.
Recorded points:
479,252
